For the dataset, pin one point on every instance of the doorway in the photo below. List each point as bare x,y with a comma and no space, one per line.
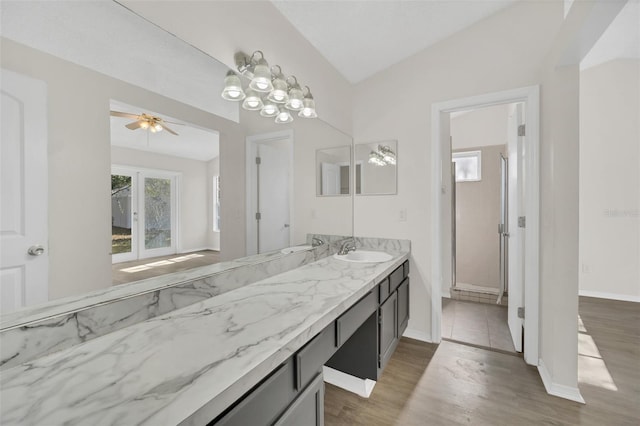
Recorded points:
143,213
474,306
269,192
522,298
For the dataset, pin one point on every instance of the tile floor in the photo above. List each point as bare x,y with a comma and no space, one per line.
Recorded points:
479,324
135,270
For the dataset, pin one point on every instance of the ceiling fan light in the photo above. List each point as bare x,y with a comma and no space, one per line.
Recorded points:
283,117
144,124
308,108
269,109
158,127
279,93
252,102
232,88
261,81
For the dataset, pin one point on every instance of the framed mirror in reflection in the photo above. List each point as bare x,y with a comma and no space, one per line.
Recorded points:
376,168
179,183
333,171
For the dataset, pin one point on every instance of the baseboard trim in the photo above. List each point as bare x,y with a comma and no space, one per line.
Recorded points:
417,335
561,391
446,292
353,384
612,296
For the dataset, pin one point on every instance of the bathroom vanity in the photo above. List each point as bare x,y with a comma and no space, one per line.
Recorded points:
257,350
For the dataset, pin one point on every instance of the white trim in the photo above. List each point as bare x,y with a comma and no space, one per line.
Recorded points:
251,142
353,384
440,111
612,296
562,391
412,333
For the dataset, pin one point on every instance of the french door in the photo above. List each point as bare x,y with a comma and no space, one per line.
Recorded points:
143,213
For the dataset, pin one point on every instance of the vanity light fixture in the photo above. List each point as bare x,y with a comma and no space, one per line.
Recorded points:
388,155
308,106
269,109
268,91
284,116
232,87
382,156
253,101
295,95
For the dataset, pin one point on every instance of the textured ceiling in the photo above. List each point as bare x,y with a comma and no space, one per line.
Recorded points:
361,38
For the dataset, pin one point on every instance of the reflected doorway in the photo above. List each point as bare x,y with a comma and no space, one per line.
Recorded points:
143,213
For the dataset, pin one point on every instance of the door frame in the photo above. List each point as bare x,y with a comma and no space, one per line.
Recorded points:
252,143
439,138
137,200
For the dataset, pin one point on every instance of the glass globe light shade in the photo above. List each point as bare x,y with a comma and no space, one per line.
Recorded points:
269,109
279,93
261,81
252,102
284,116
295,98
232,88
308,108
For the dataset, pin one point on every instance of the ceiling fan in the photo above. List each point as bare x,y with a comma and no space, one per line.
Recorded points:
146,121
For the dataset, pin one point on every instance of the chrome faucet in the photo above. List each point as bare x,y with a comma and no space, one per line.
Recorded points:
315,242
346,247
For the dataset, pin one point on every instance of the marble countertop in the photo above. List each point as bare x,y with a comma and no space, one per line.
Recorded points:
84,301
188,365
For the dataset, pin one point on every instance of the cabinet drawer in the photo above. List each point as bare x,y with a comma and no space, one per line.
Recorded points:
351,320
383,290
396,278
406,268
308,408
311,358
265,403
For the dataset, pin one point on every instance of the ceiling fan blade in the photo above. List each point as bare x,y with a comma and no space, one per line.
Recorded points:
164,126
135,125
125,115
173,122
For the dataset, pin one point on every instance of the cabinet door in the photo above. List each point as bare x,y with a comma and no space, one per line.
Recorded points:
403,306
308,408
388,328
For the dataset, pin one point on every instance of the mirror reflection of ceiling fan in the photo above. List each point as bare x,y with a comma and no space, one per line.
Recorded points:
146,121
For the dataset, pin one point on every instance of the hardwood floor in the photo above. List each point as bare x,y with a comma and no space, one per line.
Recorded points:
135,270
450,383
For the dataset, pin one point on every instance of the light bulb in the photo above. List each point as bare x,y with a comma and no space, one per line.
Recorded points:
158,127
284,117
261,81
232,88
252,102
269,109
144,125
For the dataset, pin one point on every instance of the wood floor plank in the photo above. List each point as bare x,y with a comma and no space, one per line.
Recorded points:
454,384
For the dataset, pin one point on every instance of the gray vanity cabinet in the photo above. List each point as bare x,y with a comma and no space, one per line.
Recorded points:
403,306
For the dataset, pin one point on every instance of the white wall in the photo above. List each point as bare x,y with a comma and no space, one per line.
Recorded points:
610,180
195,209
480,127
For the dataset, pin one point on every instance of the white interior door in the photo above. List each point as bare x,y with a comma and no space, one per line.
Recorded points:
23,161
515,254
330,179
273,192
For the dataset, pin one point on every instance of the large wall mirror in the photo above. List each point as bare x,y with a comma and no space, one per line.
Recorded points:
333,171
117,183
376,168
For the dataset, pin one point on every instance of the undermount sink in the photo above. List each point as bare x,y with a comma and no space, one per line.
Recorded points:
364,256
295,249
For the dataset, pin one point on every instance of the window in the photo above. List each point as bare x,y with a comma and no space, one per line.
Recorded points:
216,203
468,166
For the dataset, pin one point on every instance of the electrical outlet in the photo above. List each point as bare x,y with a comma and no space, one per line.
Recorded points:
403,215
313,213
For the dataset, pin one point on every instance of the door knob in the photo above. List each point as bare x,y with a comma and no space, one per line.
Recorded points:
36,250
